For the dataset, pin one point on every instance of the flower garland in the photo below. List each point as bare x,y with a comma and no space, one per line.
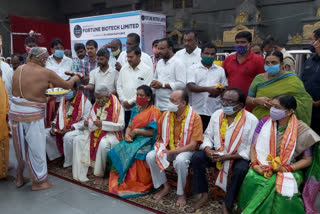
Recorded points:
70,111
223,130
171,139
100,114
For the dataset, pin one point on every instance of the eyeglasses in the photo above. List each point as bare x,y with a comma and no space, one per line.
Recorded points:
226,102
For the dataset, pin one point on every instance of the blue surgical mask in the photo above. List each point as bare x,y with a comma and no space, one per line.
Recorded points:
69,95
273,69
240,49
229,110
207,60
58,53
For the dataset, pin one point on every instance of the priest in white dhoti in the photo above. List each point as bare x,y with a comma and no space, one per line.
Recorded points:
226,145
104,128
73,110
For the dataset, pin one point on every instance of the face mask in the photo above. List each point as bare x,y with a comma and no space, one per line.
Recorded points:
116,53
229,110
172,107
277,114
240,49
69,95
58,53
142,101
207,60
273,69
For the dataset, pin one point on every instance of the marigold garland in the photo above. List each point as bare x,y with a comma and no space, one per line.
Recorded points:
223,130
97,132
171,139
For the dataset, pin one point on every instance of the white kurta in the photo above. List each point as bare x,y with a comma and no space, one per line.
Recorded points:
51,146
81,150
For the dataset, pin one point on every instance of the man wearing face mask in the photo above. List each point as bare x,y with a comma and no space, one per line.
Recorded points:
170,74
73,110
242,67
116,48
29,43
205,81
226,145
29,84
103,130
311,80
104,75
191,54
133,40
185,134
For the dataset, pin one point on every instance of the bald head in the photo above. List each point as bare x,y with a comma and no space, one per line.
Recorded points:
179,96
38,55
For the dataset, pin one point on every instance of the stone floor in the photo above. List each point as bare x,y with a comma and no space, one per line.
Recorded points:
63,198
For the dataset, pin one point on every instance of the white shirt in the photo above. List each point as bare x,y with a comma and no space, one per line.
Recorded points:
112,61
60,68
7,73
174,73
106,79
130,79
204,77
213,130
189,59
144,58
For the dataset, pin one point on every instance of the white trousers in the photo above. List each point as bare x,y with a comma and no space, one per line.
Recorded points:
52,149
29,141
180,163
81,156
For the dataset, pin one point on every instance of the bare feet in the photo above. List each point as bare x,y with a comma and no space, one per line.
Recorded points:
20,180
224,209
162,193
182,200
41,186
202,201
98,181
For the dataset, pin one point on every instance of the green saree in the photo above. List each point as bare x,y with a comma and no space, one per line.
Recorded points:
287,83
258,195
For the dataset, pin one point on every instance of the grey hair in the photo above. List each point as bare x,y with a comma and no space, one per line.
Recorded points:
102,91
38,51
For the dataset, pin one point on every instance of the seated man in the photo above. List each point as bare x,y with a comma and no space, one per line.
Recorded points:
226,143
104,130
185,133
73,110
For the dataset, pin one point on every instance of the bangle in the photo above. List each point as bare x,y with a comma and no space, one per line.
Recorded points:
252,101
288,168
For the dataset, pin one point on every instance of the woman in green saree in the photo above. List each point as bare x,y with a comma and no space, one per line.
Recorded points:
281,148
276,81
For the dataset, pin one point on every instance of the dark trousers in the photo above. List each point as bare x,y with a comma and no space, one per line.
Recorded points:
200,162
127,115
315,124
205,121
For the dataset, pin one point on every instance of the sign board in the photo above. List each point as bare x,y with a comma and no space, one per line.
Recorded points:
103,29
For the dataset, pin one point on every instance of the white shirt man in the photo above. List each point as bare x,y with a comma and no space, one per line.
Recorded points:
102,79
144,58
189,59
173,73
205,77
130,79
60,68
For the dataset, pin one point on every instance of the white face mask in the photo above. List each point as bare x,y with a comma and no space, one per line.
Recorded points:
172,107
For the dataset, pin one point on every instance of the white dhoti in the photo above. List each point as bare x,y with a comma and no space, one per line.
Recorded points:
81,155
52,149
29,136
180,163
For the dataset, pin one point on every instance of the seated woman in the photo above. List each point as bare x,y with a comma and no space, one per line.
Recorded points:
276,81
130,174
281,147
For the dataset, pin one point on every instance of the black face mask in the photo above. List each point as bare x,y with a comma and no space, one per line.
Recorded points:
312,48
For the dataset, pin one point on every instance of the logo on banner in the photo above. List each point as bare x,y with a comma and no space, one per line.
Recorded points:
77,31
